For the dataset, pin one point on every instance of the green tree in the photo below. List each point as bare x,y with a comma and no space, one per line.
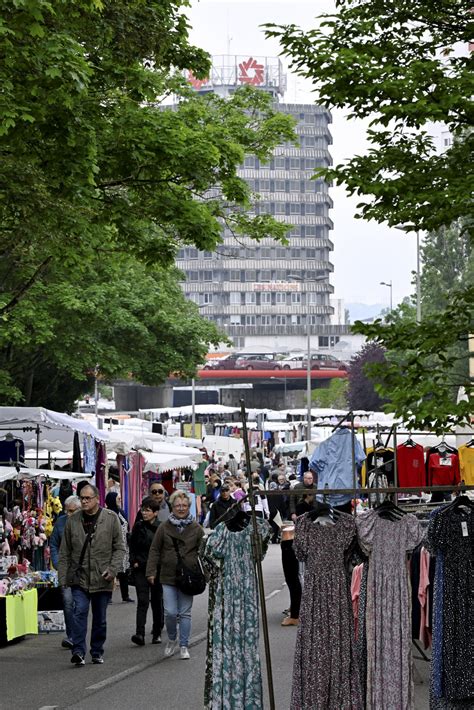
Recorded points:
334,396
100,178
393,62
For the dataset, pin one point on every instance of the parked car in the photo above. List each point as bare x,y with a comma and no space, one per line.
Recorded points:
257,362
324,361
223,363
292,363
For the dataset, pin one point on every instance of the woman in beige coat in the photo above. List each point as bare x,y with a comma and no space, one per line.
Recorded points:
182,528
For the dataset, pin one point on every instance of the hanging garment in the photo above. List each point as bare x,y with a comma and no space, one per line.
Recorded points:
76,454
442,467
332,463
388,618
466,462
411,466
325,673
381,462
11,450
451,533
89,454
233,675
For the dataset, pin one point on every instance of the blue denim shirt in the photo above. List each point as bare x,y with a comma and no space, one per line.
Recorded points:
331,461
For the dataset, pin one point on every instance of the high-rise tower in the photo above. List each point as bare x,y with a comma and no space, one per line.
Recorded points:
265,295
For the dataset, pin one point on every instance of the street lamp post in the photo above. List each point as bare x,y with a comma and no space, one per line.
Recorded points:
389,284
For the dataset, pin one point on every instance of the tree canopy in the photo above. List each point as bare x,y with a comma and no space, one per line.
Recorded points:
361,390
405,65
102,179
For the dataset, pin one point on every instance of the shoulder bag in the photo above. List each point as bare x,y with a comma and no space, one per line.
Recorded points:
189,581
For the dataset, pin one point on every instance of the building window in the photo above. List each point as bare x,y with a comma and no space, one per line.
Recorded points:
280,162
193,275
295,253
266,298
310,231
309,118
207,275
281,253
295,232
280,320
207,254
295,186
312,297
309,164
280,297
264,185
265,275
310,253
294,163
323,341
265,320
265,253
280,208
250,298
205,299
235,298
250,275
295,208
250,320
264,208
181,253
235,319
309,141
193,253
295,320
280,186
295,297
249,162
234,275
310,208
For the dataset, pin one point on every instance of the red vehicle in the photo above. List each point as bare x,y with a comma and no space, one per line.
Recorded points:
223,363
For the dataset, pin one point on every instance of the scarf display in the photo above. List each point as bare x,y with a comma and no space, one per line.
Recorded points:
180,523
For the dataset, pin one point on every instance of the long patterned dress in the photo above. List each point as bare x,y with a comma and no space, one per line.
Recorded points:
388,610
233,674
325,673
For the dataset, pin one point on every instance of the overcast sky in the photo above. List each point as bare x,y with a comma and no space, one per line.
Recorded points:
365,253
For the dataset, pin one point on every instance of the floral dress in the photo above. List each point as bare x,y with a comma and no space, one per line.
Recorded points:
233,674
325,672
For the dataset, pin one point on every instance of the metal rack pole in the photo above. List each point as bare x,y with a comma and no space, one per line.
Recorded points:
257,551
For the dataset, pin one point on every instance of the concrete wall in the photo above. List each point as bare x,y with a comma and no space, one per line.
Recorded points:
131,396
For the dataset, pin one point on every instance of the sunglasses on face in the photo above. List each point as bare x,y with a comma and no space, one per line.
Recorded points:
88,497
155,491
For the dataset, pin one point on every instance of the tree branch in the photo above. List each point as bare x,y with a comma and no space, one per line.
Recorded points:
26,286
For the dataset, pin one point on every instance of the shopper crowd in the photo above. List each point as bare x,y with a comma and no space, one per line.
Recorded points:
94,546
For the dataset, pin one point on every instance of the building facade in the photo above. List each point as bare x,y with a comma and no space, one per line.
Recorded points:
265,295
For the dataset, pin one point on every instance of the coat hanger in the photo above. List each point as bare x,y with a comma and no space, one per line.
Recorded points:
389,510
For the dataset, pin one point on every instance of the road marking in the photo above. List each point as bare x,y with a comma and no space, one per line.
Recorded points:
274,593
49,707
195,640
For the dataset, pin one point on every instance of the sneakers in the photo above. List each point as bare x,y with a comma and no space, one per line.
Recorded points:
97,659
65,643
77,659
138,639
156,639
170,648
184,653
128,600
290,622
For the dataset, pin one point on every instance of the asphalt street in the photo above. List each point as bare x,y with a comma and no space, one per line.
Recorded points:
36,673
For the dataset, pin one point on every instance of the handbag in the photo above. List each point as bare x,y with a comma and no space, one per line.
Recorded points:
189,581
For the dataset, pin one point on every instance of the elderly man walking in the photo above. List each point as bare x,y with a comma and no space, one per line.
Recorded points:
90,556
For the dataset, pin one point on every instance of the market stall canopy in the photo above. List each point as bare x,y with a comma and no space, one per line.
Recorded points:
55,429
9,473
159,463
200,409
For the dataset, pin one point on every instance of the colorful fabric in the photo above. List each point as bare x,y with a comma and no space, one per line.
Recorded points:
466,462
233,674
332,463
180,523
22,614
411,466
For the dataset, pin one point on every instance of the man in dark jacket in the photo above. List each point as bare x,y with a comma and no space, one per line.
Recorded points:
221,507
71,504
91,554
140,542
306,487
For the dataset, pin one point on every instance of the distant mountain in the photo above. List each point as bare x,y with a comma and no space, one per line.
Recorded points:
363,311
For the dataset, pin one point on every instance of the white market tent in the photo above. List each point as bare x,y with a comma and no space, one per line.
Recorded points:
48,429
200,409
159,463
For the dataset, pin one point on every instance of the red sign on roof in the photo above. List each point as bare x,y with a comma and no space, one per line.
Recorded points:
251,72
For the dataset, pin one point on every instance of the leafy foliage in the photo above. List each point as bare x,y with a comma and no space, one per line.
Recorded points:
334,396
101,180
396,62
361,392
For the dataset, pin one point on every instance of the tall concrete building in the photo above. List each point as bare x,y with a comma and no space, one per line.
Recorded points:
266,295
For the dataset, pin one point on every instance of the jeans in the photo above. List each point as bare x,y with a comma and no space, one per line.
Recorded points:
177,610
98,601
146,595
68,606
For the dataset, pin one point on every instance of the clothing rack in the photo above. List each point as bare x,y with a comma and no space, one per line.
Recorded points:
257,556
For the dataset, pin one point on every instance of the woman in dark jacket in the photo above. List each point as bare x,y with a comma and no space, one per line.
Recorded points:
140,541
182,531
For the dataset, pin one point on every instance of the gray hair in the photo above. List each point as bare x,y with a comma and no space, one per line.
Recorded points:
93,488
72,500
179,494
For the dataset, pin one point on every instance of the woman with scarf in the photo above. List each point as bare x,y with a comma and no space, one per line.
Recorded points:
180,529
112,501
